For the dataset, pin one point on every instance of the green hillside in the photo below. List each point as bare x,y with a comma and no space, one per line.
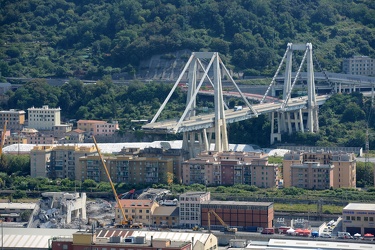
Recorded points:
89,39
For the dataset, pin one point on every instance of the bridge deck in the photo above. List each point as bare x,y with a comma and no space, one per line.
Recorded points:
207,121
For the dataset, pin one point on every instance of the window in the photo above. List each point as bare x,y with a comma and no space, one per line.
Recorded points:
358,218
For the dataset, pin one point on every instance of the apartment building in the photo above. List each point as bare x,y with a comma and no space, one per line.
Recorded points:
190,208
15,119
344,172
178,156
16,138
338,169
57,161
59,131
359,65
230,168
39,161
312,175
238,214
359,218
137,211
43,118
39,138
98,128
129,169
75,136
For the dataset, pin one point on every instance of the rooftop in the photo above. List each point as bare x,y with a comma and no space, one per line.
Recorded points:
166,211
243,203
136,203
11,205
360,206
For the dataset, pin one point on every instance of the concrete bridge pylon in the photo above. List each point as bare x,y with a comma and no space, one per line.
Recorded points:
284,121
204,68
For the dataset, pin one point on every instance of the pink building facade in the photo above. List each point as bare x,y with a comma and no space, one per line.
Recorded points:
100,128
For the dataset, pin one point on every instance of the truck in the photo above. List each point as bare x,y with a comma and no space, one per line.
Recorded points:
237,108
269,230
344,235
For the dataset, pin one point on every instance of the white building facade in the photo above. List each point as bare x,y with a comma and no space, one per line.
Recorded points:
190,208
44,118
359,65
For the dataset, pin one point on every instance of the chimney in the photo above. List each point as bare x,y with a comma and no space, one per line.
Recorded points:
151,240
192,243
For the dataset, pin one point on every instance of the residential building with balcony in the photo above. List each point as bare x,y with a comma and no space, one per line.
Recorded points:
129,169
230,168
341,167
57,161
98,128
312,175
359,65
43,118
15,119
40,160
242,215
190,208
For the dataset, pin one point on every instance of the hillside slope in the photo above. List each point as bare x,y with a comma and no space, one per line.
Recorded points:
81,38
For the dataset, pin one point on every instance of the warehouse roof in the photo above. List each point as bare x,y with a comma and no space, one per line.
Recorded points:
33,238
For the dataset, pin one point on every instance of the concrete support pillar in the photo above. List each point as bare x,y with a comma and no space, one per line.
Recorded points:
275,135
301,121
296,125
289,123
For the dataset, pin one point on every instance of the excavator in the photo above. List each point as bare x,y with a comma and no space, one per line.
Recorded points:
125,223
227,228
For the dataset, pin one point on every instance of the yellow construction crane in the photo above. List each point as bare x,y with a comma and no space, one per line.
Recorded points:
3,137
124,222
226,227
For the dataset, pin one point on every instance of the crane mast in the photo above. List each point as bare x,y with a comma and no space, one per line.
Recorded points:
3,137
124,220
226,227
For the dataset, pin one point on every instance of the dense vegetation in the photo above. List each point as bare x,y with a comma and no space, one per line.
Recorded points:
64,38
342,119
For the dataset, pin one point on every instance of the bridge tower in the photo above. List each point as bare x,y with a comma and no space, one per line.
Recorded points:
204,136
285,121
202,68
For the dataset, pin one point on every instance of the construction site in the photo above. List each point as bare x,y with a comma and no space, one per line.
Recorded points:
75,211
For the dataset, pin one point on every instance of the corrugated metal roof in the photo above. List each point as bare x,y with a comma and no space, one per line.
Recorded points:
36,238
173,236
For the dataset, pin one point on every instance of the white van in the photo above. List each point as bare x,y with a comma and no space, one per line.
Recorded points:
326,235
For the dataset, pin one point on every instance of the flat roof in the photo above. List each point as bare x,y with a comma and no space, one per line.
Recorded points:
173,236
307,244
34,238
360,206
243,203
11,205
